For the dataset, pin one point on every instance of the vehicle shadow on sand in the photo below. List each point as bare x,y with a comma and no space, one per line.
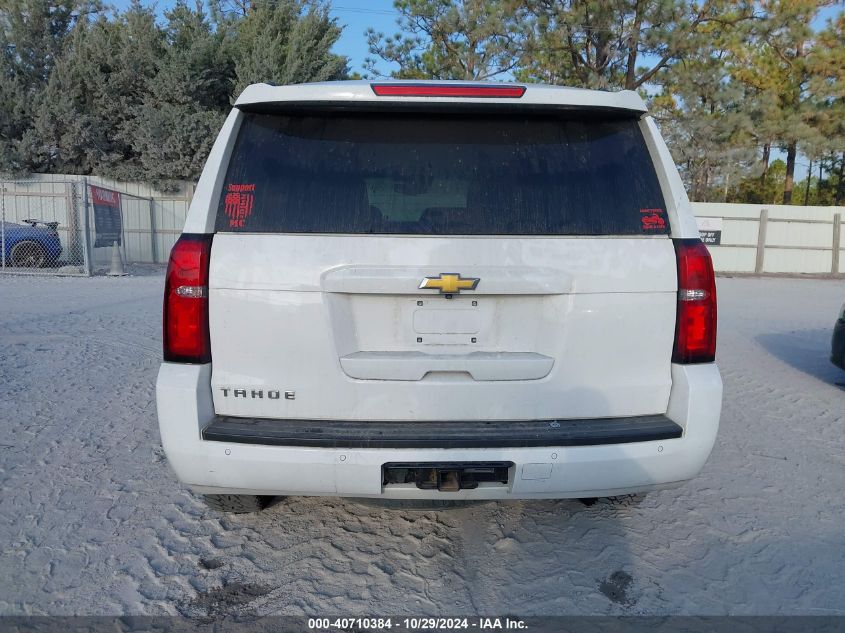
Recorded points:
807,351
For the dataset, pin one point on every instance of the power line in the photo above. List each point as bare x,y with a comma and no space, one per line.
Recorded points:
360,10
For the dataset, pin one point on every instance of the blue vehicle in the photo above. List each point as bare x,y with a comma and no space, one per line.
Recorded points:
29,245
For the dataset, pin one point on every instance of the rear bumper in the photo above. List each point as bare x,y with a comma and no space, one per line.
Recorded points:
672,449
447,435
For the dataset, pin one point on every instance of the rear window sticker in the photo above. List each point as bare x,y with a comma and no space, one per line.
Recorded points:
652,219
238,204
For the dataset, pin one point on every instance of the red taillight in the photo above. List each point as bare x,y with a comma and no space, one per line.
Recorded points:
186,338
695,329
447,90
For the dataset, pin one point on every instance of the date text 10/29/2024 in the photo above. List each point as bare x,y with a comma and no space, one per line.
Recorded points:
416,624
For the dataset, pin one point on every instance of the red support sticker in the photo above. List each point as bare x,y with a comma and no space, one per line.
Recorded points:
238,204
652,219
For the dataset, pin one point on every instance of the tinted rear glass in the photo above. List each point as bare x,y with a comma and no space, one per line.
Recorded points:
401,173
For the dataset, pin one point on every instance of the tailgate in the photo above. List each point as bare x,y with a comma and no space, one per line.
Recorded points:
568,328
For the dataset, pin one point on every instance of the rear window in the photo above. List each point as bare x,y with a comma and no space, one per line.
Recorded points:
420,174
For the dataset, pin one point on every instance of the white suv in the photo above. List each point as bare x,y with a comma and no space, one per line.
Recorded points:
437,290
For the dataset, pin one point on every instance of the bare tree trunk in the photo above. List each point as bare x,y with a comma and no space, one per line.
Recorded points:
791,152
633,43
792,148
807,188
698,187
767,148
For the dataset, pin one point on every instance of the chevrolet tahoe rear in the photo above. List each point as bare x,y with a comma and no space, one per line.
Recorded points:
437,290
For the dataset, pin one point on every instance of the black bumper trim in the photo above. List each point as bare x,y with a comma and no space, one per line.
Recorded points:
480,434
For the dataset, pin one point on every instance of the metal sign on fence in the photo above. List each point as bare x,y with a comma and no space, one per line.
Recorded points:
710,230
108,223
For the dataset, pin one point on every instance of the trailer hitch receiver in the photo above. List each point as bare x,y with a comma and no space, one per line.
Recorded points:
446,476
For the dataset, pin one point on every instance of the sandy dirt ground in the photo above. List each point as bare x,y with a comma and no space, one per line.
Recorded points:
92,521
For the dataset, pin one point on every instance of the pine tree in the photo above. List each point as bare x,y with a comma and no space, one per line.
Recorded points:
598,44
826,67
444,39
701,116
33,34
286,42
775,64
85,120
185,102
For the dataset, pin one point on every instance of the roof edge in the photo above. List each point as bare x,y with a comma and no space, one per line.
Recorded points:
361,91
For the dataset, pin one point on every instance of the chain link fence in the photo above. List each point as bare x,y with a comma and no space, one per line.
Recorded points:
69,225
42,227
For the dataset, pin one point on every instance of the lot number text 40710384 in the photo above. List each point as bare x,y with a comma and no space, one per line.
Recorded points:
421,623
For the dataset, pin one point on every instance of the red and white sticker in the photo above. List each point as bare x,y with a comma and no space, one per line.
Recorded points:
652,219
238,204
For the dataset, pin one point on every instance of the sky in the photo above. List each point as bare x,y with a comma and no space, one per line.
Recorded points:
358,15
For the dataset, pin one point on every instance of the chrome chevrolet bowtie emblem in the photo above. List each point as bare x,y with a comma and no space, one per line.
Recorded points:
449,283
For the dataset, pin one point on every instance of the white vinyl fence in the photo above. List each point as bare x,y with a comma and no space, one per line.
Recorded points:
776,238
754,238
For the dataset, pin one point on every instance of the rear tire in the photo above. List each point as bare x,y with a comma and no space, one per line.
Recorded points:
27,254
237,504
